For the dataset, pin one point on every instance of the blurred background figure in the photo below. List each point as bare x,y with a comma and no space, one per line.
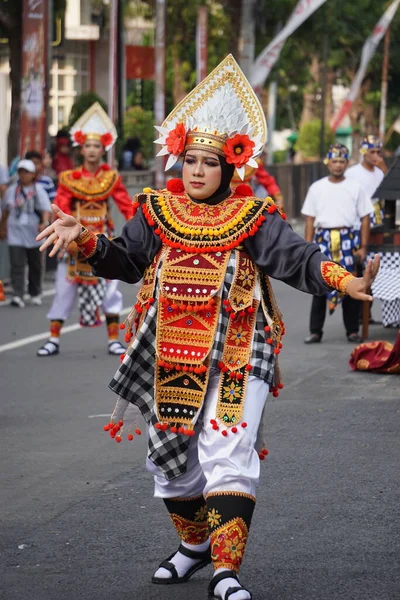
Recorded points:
26,210
333,208
130,149
138,162
44,180
4,179
48,166
62,160
370,172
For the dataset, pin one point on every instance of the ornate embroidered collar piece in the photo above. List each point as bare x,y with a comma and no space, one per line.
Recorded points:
181,222
83,187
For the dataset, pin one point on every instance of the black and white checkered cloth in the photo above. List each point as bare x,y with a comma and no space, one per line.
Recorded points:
134,380
90,298
386,287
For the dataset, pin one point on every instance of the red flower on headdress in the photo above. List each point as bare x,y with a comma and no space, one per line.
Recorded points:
79,137
176,140
175,186
106,139
238,150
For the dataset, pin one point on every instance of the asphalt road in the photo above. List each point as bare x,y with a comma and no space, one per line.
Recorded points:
78,520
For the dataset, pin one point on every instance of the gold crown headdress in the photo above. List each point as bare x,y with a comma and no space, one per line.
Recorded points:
222,114
94,124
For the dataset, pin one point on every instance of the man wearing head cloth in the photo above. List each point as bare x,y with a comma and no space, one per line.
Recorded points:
333,208
370,172
206,332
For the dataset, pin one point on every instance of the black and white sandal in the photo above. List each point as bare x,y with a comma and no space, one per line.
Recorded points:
116,348
232,590
204,559
49,348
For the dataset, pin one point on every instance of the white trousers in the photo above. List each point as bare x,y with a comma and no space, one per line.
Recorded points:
217,463
67,291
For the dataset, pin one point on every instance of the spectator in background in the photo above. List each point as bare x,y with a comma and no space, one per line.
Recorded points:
47,166
46,182
62,160
333,208
138,162
4,179
131,147
370,173
26,211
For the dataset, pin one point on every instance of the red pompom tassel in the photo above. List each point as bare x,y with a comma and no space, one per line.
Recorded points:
244,190
175,186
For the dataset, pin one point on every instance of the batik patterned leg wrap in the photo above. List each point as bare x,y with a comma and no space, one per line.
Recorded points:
112,327
189,516
55,328
229,518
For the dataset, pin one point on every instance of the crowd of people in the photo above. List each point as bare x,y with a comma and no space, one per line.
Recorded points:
27,190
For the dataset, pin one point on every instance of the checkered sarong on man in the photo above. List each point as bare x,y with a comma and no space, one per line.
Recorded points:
134,380
90,298
349,244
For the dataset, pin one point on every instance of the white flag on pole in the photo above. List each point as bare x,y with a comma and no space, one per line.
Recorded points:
396,125
268,57
368,51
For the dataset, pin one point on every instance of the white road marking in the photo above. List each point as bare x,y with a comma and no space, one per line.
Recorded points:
43,336
96,416
44,294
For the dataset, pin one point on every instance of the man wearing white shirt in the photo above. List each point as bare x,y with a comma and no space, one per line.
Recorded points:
370,173
332,208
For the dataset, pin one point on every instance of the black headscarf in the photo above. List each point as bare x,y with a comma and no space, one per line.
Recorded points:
224,189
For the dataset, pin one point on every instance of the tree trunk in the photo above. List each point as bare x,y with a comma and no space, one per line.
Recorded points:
234,9
178,88
247,36
15,46
310,106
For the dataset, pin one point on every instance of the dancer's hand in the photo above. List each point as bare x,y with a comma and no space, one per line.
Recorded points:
64,230
358,287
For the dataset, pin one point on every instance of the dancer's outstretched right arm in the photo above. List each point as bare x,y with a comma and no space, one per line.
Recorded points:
124,258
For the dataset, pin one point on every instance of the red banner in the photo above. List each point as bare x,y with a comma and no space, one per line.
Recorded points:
34,75
140,62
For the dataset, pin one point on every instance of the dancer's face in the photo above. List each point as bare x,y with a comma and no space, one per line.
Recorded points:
201,173
92,151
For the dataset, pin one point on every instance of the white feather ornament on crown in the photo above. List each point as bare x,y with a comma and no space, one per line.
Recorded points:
222,114
94,124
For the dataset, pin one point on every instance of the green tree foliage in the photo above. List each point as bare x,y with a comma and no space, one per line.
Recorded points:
82,104
308,142
347,25
139,123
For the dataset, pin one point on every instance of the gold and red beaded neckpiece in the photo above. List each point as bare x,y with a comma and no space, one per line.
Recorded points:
200,227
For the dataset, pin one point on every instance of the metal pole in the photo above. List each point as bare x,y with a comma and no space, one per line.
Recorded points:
247,36
323,95
273,92
49,79
120,69
159,100
384,92
112,70
201,44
